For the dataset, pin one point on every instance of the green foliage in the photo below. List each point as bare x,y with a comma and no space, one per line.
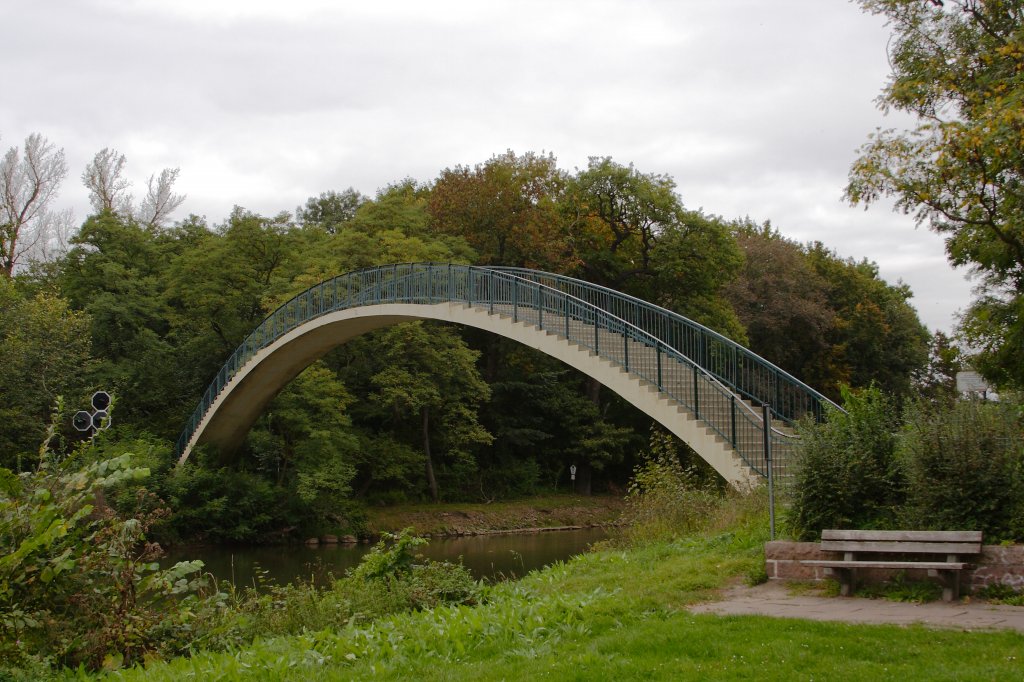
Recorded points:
331,210
222,504
390,579
79,583
956,68
394,560
876,336
44,353
942,465
666,500
964,465
826,319
999,593
846,471
901,589
427,384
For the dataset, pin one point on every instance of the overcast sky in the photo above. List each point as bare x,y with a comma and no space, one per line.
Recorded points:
756,108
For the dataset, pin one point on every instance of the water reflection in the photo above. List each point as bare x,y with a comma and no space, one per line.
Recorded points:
492,557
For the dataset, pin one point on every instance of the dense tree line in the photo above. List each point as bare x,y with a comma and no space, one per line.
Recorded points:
149,311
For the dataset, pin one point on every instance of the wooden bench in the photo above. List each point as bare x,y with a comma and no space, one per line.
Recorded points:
919,549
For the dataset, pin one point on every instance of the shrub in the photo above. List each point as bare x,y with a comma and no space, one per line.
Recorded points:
78,582
393,574
390,579
846,471
666,500
964,465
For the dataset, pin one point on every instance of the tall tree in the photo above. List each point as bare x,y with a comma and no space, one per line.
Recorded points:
29,181
429,384
44,353
116,271
108,188
506,209
957,68
781,300
331,210
160,200
876,336
618,214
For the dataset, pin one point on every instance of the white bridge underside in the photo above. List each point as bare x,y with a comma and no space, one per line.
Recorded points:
248,393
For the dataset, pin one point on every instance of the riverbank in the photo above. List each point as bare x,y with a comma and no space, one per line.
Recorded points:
622,613
535,514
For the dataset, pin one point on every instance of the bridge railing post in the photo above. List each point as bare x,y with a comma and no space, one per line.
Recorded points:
657,353
515,300
732,419
565,312
766,429
696,391
540,307
625,348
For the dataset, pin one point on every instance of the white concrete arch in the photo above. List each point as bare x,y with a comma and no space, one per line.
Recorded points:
242,400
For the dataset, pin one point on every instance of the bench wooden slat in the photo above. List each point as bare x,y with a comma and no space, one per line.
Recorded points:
973,536
934,565
901,547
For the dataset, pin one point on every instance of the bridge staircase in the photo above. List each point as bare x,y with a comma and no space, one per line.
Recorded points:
701,381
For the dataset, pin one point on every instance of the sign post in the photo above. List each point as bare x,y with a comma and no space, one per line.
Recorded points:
766,428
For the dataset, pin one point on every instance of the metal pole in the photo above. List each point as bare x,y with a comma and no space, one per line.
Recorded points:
766,428
732,420
515,300
657,351
540,307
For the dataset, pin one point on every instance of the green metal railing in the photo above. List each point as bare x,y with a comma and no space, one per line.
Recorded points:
649,342
745,372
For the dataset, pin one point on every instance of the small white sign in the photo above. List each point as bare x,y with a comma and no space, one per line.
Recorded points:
572,472
971,382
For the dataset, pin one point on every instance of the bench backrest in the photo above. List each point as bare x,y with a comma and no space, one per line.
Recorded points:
922,541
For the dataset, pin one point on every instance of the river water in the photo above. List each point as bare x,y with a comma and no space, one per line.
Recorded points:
489,557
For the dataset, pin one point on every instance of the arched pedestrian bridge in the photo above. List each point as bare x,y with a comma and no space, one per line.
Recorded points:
704,388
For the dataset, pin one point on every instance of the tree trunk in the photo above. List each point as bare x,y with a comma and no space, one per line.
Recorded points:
583,477
431,481
583,471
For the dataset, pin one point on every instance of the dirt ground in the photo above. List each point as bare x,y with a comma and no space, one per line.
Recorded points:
475,519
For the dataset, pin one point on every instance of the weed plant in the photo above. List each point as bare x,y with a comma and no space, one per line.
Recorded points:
998,593
902,589
79,584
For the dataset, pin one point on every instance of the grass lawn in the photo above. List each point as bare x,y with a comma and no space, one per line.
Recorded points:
618,615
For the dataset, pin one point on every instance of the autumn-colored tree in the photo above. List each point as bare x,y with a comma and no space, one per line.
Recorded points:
957,69
781,301
506,209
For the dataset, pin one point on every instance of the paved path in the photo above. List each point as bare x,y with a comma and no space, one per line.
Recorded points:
775,599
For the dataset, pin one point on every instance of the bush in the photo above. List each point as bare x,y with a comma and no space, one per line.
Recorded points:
666,500
79,583
390,579
964,466
846,471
